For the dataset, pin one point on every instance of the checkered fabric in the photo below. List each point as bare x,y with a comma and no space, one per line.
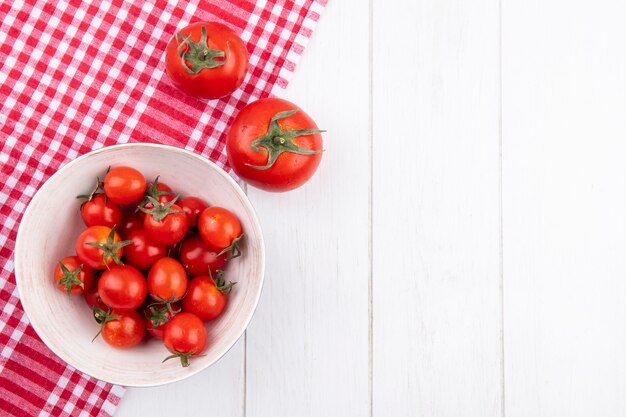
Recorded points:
79,75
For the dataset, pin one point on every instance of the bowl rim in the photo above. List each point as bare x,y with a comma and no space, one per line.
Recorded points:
191,370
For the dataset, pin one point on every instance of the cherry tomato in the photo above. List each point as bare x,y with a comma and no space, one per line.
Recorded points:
206,60
124,185
165,223
72,277
220,230
92,297
167,280
273,145
120,329
99,247
160,192
143,252
192,207
157,316
174,250
184,336
198,259
206,298
132,221
122,287
99,211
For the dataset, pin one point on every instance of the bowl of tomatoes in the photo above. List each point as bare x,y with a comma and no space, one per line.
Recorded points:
159,263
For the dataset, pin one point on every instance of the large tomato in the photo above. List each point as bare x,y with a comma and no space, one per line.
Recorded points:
198,258
120,329
220,229
99,211
184,336
72,276
143,252
98,247
206,60
122,287
273,145
206,297
124,185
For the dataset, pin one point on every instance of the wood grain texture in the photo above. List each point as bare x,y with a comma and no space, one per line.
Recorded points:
217,391
307,352
437,347
436,218
564,205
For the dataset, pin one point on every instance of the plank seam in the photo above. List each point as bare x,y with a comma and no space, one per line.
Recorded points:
370,291
500,185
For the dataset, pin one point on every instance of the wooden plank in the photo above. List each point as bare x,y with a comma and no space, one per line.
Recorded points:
218,390
436,209
308,342
564,207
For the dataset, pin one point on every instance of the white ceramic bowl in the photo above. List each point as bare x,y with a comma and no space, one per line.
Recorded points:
47,233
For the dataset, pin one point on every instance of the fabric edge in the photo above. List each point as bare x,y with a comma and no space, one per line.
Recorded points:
309,24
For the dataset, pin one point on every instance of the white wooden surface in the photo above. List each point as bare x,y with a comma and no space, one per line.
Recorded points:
461,250
436,209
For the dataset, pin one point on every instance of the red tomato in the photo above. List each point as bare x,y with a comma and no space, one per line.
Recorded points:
220,230
184,336
273,145
120,329
99,247
99,211
198,259
124,185
122,287
192,207
72,277
167,280
143,252
206,60
132,221
157,316
92,297
206,298
159,191
165,223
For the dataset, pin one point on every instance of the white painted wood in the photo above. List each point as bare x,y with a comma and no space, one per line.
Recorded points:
436,223
307,352
217,391
564,207
436,217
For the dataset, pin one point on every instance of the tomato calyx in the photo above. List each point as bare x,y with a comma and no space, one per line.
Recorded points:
166,304
110,248
199,55
70,278
158,315
159,211
184,357
233,248
153,192
102,317
88,197
278,140
220,283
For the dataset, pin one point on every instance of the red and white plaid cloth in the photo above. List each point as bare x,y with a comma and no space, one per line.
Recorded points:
79,75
